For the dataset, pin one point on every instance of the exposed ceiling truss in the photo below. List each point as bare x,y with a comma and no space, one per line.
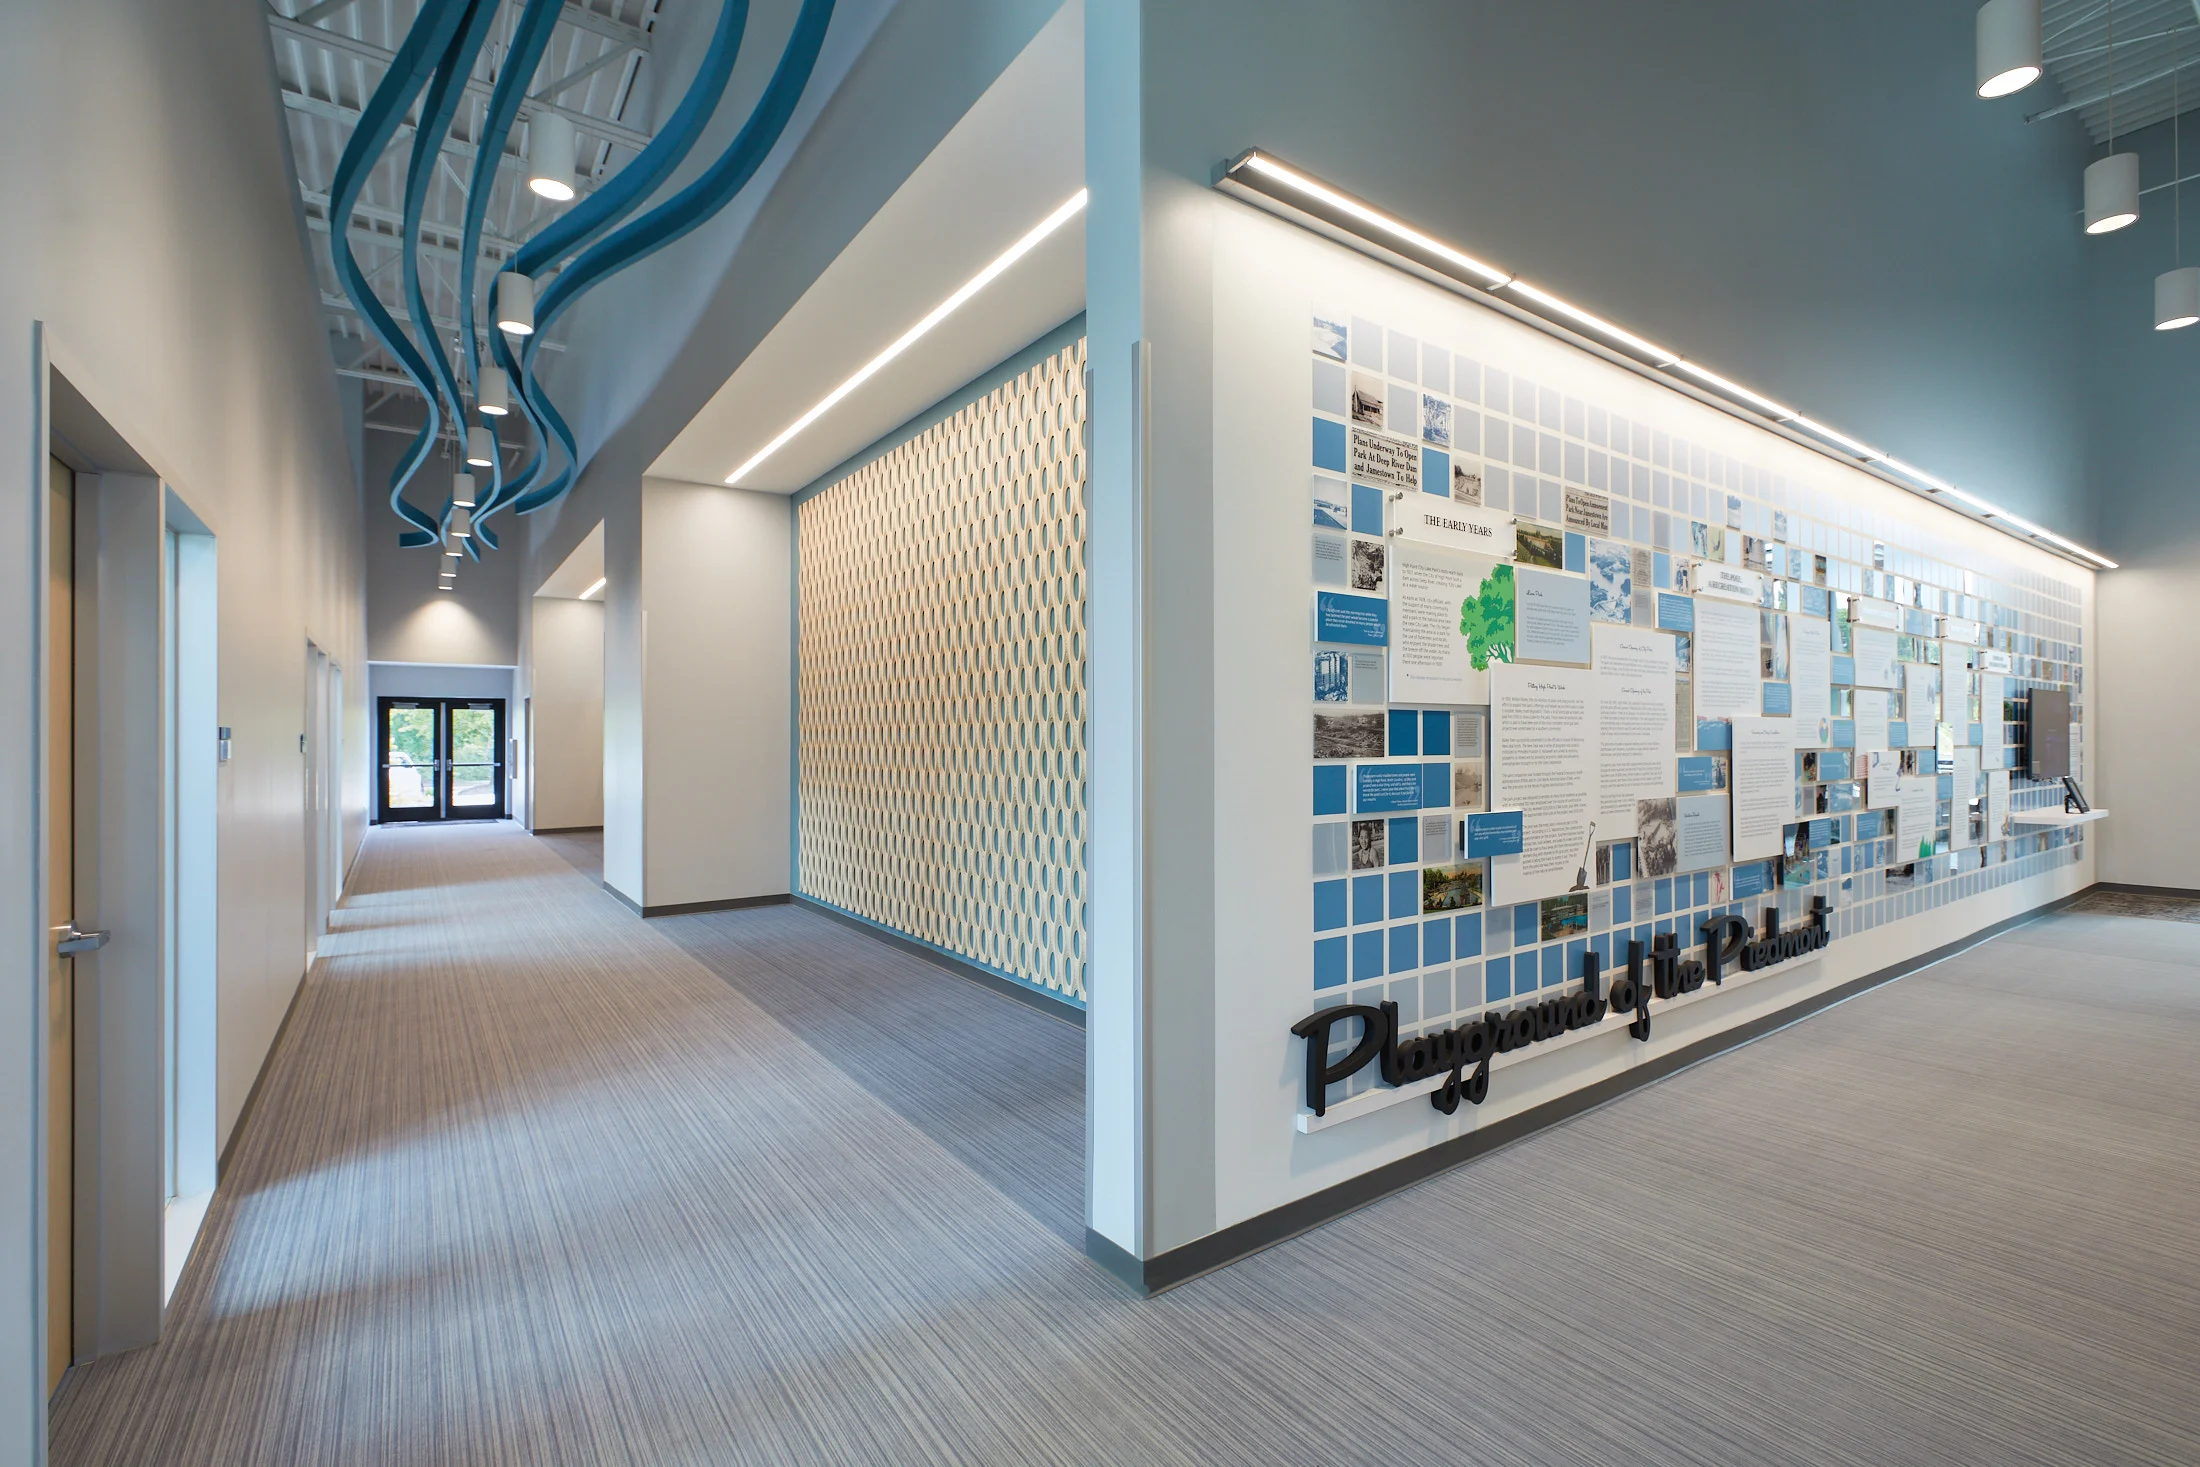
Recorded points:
2156,70
330,55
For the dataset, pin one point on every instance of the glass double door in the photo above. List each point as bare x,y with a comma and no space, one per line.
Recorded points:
442,759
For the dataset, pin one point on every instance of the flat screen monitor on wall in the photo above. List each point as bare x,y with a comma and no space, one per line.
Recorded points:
2047,734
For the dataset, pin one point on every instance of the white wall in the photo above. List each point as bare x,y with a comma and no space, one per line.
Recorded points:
153,233
408,619
716,607
1264,277
565,669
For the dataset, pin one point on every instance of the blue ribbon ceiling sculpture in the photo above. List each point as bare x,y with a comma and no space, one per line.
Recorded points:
592,241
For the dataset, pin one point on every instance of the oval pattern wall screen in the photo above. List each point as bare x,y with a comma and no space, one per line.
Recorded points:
941,732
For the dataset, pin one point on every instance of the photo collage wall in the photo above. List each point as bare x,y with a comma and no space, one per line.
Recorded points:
1575,680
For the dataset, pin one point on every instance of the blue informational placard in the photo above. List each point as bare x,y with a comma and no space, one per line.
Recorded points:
1779,700
1383,788
1699,772
1495,833
1755,879
1676,613
1815,601
1362,621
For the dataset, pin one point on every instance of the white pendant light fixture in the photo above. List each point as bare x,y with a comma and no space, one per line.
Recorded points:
462,489
2112,183
495,393
462,522
515,304
550,155
2177,289
2008,46
2112,193
480,447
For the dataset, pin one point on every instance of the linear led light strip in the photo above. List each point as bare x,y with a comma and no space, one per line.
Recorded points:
909,338
1259,178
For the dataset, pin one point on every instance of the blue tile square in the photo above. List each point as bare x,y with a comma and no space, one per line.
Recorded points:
1665,927
1527,973
1497,979
1436,786
1623,861
1467,932
1329,445
1405,948
1367,509
1436,733
1524,924
1330,789
1367,900
1329,962
1665,895
1367,954
1661,570
1623,904
1405,840
1330,906
1571,969
1405,731
1436,941
1703,887
1405,893
1577,552
1554,965
1436,472
1602,946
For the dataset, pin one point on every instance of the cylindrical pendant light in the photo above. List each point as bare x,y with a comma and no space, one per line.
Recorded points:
2008,46
462,522
462,489
2111,194
550,155
495,392
516,297
480,447
2177,298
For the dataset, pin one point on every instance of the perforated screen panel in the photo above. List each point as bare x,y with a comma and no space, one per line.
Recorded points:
941,731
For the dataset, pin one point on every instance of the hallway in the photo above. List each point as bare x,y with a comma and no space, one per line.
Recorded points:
532,1181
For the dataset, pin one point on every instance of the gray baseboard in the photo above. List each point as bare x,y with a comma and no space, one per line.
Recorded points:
1149,1276
563,829
683,909
1023,993
2161,891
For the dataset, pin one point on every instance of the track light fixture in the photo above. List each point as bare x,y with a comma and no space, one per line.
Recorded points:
550,156
2008,46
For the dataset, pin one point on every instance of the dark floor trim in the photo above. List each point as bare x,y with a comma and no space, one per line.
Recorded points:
1023,993
684,909
2128,889
1151,1276
259,1082
564,829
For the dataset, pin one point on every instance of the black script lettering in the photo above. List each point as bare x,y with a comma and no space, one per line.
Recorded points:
1379,1025
1724,941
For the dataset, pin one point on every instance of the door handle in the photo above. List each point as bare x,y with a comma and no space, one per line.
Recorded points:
68,941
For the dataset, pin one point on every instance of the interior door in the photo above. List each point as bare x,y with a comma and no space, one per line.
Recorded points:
60,911
442,759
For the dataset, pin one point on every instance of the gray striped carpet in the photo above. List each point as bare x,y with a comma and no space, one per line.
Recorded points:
535,1182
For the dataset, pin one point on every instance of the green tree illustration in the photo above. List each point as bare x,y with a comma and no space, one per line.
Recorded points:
1486,620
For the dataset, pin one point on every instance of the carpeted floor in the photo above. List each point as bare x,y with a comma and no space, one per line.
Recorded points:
535,1182
2159,906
